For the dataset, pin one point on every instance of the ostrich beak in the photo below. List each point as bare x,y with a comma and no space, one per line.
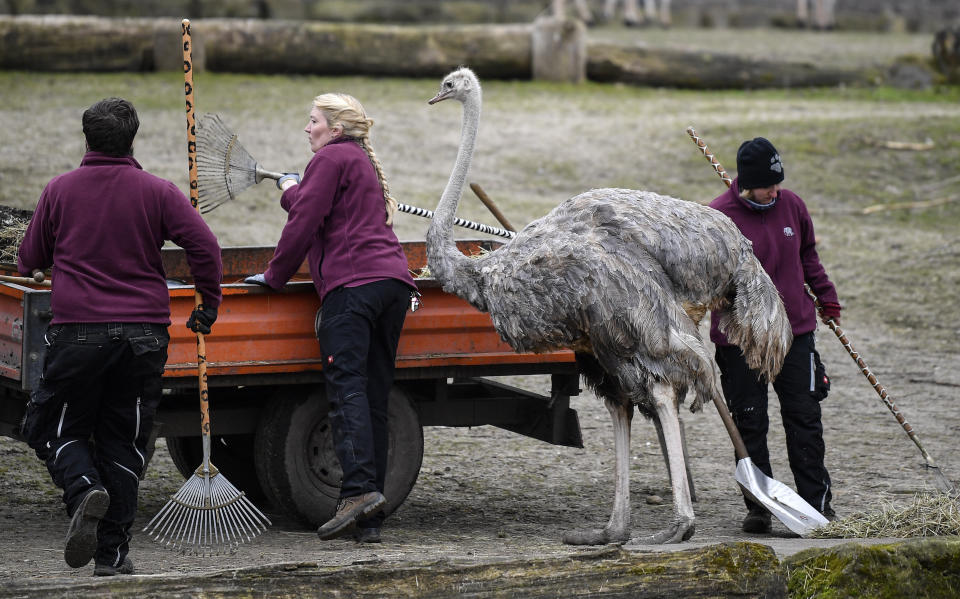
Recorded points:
442,95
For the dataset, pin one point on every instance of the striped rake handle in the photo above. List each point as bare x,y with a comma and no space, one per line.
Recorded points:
466,224
709,156
942,483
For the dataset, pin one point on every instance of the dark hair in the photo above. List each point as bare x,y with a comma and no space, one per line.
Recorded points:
110,126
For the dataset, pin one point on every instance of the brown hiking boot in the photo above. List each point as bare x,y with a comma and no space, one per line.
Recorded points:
349,510
82,535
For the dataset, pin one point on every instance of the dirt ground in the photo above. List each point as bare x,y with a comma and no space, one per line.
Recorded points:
485,494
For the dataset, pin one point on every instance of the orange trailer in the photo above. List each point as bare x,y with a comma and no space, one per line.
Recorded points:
268,409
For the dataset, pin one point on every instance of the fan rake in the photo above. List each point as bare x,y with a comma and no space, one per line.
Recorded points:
208,515
224,167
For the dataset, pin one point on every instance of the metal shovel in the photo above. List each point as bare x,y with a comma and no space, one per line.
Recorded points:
779,499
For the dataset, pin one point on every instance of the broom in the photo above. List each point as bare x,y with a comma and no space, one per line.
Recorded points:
208,514
225,168
940,480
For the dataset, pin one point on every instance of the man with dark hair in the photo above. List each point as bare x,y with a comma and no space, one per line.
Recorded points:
101,227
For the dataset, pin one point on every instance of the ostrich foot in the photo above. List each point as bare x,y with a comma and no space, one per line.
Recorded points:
594,536
677,532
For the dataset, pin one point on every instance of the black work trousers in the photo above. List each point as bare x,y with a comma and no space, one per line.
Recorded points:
91,415
358,330
795,386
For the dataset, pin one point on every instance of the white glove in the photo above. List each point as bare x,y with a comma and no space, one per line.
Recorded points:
257,279
295,177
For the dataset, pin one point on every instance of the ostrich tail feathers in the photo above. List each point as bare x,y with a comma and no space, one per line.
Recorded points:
757,321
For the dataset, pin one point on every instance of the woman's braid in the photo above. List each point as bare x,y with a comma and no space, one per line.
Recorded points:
389,201
346,111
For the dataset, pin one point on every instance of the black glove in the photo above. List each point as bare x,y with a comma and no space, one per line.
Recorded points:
295,177
201,319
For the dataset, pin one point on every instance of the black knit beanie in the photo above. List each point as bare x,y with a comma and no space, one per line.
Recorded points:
758,164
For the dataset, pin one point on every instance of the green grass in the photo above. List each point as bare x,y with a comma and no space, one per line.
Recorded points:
541,143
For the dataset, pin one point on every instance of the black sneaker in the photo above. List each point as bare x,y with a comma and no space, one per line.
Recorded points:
349,510
757,521
829,514
367,535
82,535
107,570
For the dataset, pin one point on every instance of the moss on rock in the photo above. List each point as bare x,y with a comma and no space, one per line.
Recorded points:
916,568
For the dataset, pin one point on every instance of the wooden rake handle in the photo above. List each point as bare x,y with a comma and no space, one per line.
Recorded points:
195,201
874,382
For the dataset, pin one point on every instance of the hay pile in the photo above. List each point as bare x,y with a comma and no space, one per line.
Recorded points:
13,224
928,515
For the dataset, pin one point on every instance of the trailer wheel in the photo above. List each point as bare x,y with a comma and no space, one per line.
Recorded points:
231,454
295,460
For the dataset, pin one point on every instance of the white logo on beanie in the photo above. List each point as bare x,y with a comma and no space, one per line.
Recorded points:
775,163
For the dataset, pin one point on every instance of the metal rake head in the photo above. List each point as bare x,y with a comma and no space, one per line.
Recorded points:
207,516
224,167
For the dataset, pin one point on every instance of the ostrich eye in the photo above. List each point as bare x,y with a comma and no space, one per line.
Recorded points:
448,83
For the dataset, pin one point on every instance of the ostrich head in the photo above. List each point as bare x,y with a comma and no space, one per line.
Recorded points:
460,84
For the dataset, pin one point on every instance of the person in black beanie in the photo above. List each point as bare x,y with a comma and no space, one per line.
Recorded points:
776,221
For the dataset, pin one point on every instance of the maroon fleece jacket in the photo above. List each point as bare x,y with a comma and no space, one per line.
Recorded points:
337,221
101,227
784,242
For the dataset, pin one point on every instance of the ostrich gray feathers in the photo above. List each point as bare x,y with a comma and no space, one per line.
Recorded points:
620,276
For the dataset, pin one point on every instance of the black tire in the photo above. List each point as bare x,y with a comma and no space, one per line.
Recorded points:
296,463
231,454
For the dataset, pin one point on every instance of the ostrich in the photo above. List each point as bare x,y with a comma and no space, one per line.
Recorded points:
622,278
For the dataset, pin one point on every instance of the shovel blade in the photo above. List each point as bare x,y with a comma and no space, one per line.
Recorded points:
779,499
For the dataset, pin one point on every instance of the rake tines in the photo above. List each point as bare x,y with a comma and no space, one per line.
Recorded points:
224,167
207,516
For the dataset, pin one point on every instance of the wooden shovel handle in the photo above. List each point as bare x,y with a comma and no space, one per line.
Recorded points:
739,449
492,207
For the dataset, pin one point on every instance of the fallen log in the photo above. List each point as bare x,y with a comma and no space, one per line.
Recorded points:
662,67
77,44
723,570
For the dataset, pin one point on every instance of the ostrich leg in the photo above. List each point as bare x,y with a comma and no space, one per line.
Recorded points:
617,529
682,527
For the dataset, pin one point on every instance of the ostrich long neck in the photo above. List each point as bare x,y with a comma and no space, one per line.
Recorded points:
448,265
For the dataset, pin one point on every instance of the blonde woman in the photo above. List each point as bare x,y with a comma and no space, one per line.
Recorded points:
340,218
